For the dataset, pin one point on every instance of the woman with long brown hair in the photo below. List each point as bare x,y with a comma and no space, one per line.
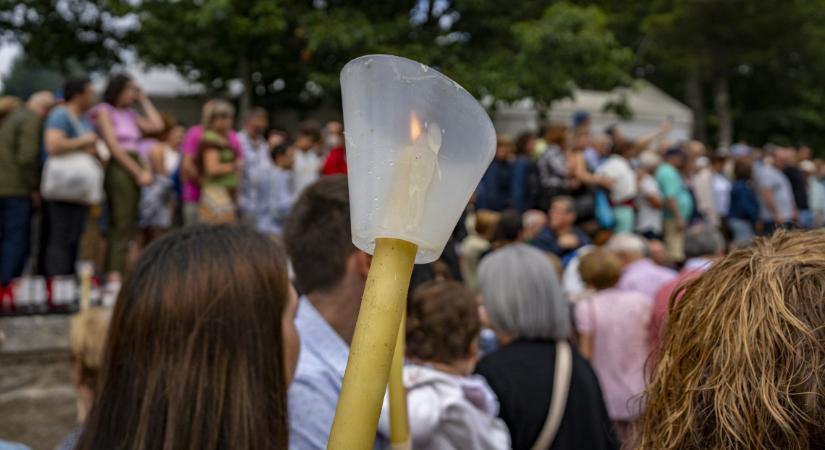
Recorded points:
201,347
744,352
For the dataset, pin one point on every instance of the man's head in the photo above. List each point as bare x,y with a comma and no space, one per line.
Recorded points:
562,213
675,156
627,246
808,168
308,137
581,120
704,241
695,149
601,143
41,102
614,133
333,134
649,161
79,92
256,121
283,156
804,153
532,222
504,147
717,162
319,239
784,157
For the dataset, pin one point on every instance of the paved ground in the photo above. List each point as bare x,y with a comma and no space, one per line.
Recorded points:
37,399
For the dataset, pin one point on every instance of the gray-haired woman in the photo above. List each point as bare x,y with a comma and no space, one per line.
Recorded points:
525,304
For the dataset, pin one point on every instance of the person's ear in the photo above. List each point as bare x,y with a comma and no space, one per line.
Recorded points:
361,262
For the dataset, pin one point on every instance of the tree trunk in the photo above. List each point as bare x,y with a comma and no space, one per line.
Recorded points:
245,102
721,99
693,96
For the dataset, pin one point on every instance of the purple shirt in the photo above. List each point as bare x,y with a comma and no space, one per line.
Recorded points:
191,141
645,276
125,125
618,321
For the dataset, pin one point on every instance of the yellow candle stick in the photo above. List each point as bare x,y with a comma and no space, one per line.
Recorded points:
402,211
373,346
399,422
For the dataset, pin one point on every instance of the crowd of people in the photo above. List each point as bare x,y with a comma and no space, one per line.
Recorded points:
599,292
75,166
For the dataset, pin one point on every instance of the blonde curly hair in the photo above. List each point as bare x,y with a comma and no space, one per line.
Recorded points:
743,356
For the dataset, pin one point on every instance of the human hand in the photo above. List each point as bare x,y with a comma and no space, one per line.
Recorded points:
568,241
144,178
87,140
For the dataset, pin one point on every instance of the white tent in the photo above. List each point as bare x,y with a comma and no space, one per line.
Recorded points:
648,104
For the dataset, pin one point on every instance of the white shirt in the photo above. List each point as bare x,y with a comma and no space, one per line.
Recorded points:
721,193
648,218
624,178
449,412
306,170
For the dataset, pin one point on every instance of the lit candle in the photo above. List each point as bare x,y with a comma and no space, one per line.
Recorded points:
417,166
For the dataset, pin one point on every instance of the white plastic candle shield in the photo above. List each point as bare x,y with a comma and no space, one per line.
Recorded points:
417,145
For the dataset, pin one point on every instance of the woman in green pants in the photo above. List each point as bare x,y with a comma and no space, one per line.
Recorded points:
122,128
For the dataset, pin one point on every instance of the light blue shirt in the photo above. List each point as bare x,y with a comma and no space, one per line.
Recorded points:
313,394
6,445
256,170
276,201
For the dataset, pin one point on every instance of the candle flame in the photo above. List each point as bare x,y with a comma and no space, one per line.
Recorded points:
415,127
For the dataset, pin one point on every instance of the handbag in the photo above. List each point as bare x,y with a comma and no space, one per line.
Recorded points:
558,400
75,177
604,212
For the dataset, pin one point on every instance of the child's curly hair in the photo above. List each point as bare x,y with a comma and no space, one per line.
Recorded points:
442,322
743,355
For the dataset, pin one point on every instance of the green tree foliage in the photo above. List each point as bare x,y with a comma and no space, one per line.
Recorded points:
509,51
26,78
766,57
70,36
293,50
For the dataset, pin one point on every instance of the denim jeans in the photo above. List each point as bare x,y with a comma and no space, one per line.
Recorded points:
15,233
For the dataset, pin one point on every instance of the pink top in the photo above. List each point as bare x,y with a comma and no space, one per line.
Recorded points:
645,276
191,191
658,313
125,124
617,322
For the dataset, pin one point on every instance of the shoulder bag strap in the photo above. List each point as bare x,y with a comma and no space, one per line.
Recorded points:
558,400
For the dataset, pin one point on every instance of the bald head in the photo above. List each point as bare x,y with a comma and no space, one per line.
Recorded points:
41,102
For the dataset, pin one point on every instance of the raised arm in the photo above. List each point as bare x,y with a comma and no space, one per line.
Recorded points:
107,132
153,122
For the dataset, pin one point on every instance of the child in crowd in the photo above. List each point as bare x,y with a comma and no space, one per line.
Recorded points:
282,189
157,200
612,326
219,165
87,338
448,407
